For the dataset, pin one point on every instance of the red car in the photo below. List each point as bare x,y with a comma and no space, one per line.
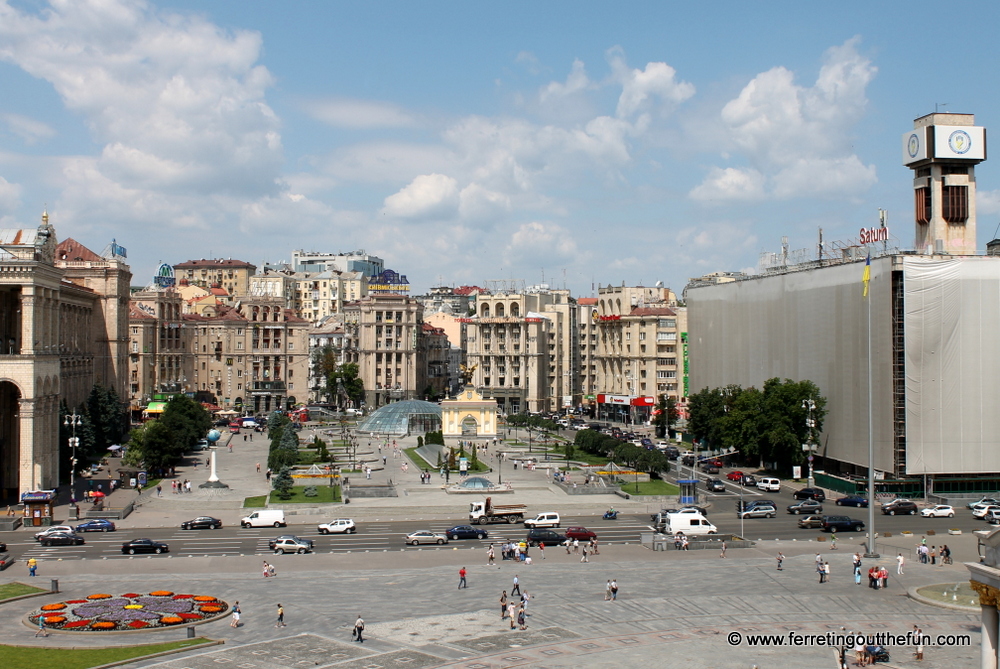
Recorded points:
735,476
581,533
715,462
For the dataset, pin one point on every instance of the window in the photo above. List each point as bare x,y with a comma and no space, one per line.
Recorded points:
955,203
922,198
239,332
667,323
642,336
239,386
666,336
239,346
135,347
135,331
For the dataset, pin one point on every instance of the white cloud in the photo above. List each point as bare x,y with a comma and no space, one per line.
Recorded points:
576,82
540,243
358,114
28,129
800,139
10,196
987,202
639,87
429,195
730,183
478,203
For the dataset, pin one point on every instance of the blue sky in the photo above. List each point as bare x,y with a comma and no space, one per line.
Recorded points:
582,142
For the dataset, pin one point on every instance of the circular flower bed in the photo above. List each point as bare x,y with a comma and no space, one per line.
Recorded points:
131,611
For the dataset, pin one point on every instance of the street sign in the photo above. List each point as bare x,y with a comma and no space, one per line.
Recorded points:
810,458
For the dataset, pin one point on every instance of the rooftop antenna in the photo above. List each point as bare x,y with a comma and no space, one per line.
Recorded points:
996,231
939,104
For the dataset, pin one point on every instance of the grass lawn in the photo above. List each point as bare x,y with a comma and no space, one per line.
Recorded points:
417,460
653,487
325,494
83,658
8,590
579,455
255,502
423,464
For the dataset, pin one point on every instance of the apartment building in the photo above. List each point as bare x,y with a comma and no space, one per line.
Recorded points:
160,355
233,276
318,295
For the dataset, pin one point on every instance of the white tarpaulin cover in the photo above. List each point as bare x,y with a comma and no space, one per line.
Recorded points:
952,334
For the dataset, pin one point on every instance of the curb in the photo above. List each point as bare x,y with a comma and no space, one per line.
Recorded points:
914,595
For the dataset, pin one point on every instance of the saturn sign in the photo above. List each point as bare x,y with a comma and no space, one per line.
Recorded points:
873,235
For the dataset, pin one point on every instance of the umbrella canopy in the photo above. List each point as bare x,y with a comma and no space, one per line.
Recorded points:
116,447
228,412
97,493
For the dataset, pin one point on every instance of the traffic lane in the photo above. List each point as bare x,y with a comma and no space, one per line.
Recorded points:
785,526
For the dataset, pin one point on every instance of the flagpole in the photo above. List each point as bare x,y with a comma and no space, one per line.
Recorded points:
871,430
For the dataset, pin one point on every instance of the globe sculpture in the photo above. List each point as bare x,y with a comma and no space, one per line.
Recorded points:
214,436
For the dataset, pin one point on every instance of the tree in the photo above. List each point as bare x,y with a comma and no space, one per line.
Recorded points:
324,361
666,416
353,385
107,415
283,483
187,420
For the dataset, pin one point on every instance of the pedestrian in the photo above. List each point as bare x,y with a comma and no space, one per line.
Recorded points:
685,544
826,572
258,468
576,545
819,561
584,558
359,629
266,569
614,589
231,443
503,605
461,579
32,567
541,549
933,555
383,460
236,614
857,573
918,640
267,474
900,561
41,627
510,613
271,571
872,581
607,592
281,617
821,572
569,546
833,541
780,559
159,490
524,602
491,557
884,577
521,620
517,586
593,546
723,553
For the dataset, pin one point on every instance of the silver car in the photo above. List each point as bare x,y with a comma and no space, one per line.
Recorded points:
425,537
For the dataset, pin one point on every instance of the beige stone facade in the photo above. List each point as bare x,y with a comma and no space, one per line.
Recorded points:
468,416
321,294
233,276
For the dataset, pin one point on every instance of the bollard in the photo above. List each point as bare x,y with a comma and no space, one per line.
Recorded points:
55,585
190,631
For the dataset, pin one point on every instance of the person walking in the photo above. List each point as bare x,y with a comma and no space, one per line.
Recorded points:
281,617
584,558
236,614
503,605
461,579
511,607
857,573
159,490
614,589
491,557
780,559
32,567
359,629
266,569
258,468
723,553
833,541
541,549
900,561
607,591
516,588
522,622
821,572
576,545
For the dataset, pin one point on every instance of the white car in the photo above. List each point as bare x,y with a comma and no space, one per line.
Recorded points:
938,511
339,526
55,529
980,510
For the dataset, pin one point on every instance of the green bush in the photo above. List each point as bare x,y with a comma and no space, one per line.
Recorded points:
283,483
420,442
434,438
310,491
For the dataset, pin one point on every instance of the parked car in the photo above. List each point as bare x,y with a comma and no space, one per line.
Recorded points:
938,511
899,507
853,500
810,493
53,530
286,538
292,545
339,526
762,511
736,476
202,523
811,522
581,533
715,485
62,539
546,536
842,523
96,525
144,546
984,500
982,510
993,517
466,532
805,506
425,537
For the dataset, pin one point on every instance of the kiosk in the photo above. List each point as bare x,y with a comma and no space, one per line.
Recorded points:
38,507
689,491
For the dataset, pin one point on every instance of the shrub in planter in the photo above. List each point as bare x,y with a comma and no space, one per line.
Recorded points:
310,491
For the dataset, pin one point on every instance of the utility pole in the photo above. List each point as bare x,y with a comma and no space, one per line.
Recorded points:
73,420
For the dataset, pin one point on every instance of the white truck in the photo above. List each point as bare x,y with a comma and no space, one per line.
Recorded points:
485,512
264,518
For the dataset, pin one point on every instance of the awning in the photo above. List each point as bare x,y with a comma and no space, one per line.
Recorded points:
156,407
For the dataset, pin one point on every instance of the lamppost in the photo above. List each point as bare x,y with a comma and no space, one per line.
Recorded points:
73,420
810,405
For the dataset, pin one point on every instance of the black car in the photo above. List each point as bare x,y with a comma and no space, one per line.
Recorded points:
842,523
709,468
853,500
62,539
672,452
96,525
144,546
466,532
808,506
715,485
749,480
899,507
3,547
810,493
543,535
202,523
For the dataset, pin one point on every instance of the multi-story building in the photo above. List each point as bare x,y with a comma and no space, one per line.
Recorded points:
459,301
439,358
384,336
587,318
61,332
231,275
328,333
160,351
273,283
355,261
321,294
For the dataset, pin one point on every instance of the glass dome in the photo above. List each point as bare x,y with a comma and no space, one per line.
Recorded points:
403,418
477,483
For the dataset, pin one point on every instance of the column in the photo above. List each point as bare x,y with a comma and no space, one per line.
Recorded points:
28,322
28,473
990,620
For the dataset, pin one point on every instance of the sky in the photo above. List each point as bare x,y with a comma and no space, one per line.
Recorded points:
572,143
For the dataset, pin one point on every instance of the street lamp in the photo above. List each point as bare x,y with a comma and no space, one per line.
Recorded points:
809,405
73,420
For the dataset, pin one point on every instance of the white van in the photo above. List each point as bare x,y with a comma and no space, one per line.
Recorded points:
769,485
688,523
547,519
264,518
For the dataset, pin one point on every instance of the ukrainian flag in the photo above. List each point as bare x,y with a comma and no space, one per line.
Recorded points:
867,276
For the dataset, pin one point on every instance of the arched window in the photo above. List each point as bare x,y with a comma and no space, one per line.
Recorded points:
499,310
484,311
515,309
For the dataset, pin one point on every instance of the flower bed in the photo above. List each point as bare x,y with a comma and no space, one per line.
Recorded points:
131,611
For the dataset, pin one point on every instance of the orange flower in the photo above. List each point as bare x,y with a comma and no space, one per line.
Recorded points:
161,593
54,619
103,625
204,598
53,607
99,596
209,609
171,620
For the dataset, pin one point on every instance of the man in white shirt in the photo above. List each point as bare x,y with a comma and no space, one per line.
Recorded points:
900,561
